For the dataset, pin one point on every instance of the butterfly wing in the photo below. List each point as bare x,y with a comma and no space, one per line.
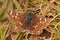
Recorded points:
38,24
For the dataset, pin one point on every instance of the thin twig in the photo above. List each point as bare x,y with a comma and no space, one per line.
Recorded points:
56,26
53,19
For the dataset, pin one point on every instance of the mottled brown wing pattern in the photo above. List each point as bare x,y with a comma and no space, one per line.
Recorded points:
38,23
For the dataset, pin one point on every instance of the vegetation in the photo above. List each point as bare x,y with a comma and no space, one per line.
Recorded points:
48,8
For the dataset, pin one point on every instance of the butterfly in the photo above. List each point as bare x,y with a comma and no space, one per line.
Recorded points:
30,22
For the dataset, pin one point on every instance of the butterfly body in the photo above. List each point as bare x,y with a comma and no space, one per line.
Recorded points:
29,18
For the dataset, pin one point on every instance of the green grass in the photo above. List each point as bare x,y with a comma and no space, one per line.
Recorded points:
17,5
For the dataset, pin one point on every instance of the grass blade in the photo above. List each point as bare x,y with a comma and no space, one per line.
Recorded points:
3,9
1,30
18,36
1,0
31,37
17,5
6,33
